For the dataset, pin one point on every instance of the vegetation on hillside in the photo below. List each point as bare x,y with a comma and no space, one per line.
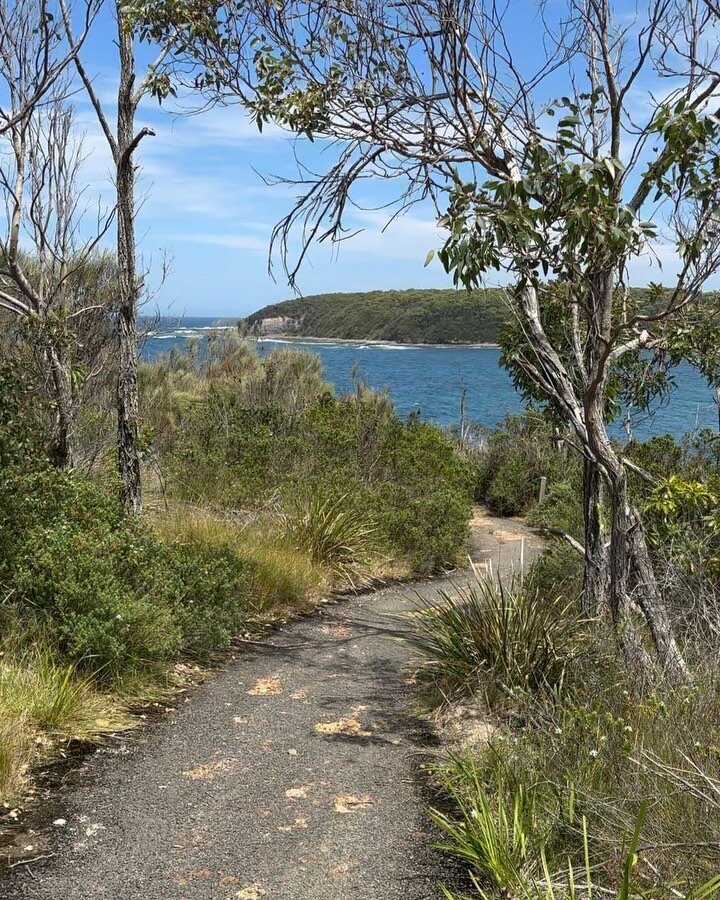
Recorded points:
411,316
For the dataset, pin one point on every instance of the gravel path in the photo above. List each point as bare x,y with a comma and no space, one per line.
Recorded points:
292,774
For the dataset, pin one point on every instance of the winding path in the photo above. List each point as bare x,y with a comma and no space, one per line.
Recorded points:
292,774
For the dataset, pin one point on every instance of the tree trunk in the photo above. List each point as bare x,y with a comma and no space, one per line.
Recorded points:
596,581
633,584
63,451
129,285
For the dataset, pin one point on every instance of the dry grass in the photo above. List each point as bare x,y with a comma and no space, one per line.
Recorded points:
282,579
44,705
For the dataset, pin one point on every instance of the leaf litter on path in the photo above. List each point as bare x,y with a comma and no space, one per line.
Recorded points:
266,687
345,803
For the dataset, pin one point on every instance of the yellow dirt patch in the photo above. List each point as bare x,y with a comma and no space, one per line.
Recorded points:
251,892
298,823
266,687
206,771
298,793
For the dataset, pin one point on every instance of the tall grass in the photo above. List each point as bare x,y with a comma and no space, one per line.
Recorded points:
281,578
44,704
515,637
335,535
511,851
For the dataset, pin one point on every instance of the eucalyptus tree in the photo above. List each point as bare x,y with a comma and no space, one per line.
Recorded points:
123,140
566,158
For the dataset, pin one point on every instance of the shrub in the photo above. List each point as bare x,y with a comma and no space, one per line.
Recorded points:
488,633
495,836
558,572
238,451
516,457
116,599
561,509
278,577
336,536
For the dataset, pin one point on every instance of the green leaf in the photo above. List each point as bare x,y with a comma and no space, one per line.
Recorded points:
429,258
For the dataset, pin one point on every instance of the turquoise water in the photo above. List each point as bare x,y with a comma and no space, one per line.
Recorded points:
430,380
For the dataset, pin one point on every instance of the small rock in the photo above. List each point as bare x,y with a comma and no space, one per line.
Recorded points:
58,823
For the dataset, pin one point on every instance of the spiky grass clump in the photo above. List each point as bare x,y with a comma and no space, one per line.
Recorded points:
52,698
44,704
506,839
511,636
336,536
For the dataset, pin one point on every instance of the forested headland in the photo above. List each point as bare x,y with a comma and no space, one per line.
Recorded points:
413,316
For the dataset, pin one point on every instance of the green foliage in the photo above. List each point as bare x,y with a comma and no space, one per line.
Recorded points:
334,535
491,635
235,448
558,572
562,507
115,599
280,579
516,457
492,835
411,316
21,437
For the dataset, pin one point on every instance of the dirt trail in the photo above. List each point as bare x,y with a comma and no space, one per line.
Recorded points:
290,775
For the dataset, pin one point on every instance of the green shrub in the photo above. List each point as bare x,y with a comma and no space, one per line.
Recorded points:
517,455
561,509
488,635
115,598
279,577
236,449
558,572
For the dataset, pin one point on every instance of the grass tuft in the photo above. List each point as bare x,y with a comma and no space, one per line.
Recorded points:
335,535
512,636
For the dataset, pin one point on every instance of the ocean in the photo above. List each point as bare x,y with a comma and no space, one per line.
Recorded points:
430,380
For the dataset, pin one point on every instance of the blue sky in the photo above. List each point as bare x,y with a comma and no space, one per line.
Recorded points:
204,204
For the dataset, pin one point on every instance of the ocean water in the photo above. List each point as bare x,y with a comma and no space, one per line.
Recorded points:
430,380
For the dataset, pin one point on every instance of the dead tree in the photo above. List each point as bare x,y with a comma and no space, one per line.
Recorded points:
32,41
42,252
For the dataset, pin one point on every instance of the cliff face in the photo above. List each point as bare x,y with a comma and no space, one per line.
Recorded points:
275,325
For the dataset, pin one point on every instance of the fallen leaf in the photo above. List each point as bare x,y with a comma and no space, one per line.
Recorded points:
266,687
345,803
348,725
251,892
299,695
299,793
206,772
